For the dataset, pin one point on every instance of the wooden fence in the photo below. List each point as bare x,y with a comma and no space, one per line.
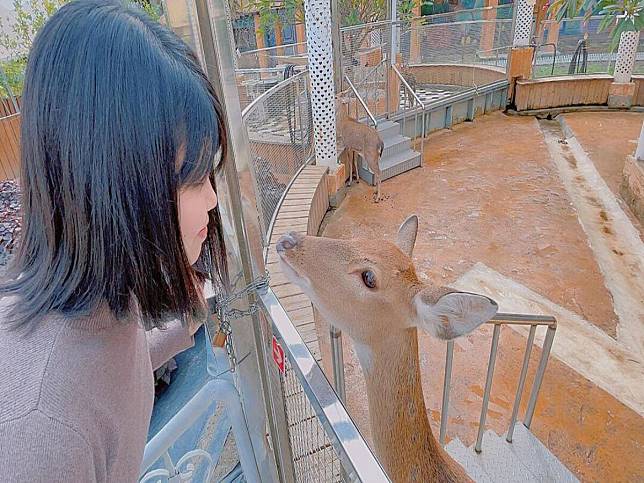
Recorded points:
9,147
8,106
9,138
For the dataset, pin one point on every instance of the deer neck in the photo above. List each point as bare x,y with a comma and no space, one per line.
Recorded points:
402,435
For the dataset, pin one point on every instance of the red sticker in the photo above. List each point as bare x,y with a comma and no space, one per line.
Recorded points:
278,355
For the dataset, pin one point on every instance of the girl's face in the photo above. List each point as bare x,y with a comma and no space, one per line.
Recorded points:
195,202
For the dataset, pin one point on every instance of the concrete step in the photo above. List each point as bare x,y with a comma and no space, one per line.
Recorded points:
392,166
526,459
457,450
496,460
395,144
537,458
388,129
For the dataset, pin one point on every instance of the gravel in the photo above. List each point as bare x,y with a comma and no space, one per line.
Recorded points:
10,222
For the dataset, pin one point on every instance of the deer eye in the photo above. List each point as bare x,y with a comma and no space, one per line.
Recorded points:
369,278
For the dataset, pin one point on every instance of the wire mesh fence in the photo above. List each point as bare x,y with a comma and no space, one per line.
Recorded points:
638,68
271,56
466,42
279,127
575,46
314,458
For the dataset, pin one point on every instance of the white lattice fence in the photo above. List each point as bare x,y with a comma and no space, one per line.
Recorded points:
320,56
626,56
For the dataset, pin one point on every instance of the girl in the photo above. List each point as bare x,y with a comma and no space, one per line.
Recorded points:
121,134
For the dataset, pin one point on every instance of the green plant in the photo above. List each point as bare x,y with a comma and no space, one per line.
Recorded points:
12,72
16,37
352,12
618,15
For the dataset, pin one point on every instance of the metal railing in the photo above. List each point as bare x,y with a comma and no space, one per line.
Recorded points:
360,101
221,388
410,104
270,56
574,46
500,319
368,88
460,42
279,127
464,41
326,444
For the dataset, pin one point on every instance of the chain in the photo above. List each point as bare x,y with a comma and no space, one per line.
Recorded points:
226,313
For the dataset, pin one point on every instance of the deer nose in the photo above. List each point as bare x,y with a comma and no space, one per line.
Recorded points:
288,241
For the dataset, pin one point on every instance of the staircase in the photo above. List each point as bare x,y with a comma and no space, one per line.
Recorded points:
526,459
397,156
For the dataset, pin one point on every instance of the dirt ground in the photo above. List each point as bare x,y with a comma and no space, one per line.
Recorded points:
608,137
488,192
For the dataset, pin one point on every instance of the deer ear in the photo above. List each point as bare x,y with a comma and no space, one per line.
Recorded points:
407,232
454,314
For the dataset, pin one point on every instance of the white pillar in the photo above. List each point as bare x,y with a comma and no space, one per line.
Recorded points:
523,23
626,56
317,15
639,154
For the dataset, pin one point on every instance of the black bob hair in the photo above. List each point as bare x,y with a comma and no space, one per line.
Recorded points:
118,116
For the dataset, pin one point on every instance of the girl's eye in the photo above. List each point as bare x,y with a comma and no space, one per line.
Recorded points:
369,278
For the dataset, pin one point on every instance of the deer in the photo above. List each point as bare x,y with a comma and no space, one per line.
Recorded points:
368,288
359,138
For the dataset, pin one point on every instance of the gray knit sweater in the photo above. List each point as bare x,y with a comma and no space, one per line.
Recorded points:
76,397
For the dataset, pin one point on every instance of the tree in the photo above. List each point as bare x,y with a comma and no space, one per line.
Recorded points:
618,15
16,37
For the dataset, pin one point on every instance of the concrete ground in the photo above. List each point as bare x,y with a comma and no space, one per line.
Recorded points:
510,207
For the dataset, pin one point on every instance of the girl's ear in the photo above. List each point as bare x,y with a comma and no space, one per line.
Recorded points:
454,314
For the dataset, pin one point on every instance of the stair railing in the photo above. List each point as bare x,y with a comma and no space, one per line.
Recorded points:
362,103
371,91
500,319
410,104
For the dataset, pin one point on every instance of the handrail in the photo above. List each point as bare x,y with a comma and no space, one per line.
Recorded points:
521,319
371,72
362,103
275,47
260,70
271,224
356,457
280,85
406,84
465,95
498,320
380,23
554,57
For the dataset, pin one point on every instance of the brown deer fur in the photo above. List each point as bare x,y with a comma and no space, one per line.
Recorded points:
359,138
382,321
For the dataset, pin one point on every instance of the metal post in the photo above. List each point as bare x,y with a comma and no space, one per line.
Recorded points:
261,400
449,357
524,372
488,386
639,154
538,378
337,358
393,9
320,59
336,24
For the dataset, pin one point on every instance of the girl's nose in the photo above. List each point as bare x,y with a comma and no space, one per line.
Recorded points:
211,196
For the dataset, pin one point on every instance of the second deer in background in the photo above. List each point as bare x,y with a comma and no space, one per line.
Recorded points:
359,138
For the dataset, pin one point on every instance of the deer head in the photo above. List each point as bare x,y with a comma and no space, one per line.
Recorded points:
369,288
